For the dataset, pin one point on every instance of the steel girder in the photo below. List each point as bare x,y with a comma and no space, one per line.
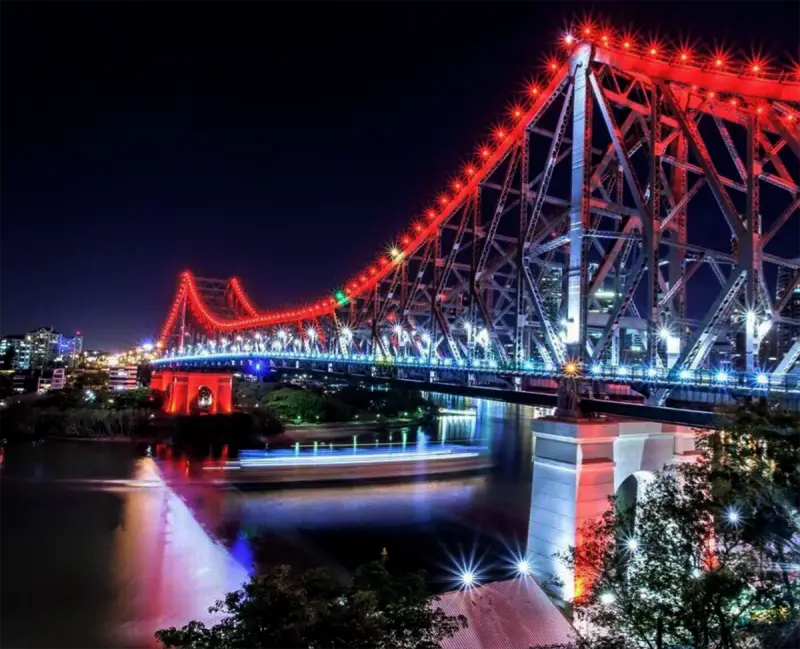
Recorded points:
588,211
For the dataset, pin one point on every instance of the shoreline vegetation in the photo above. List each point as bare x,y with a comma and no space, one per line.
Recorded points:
264,413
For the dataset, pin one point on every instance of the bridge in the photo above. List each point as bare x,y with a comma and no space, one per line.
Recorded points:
632,221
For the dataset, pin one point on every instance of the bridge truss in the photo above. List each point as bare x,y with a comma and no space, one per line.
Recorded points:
585,236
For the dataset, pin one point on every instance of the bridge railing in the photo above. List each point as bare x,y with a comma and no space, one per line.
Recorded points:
752,382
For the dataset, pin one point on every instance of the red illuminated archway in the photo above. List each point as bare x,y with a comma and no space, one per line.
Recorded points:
182,389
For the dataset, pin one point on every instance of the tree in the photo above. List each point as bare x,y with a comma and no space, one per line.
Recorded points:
293,404
283,609
298,405
708,557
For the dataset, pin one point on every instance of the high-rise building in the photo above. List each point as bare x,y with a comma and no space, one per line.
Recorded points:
70,349
550,290
786,334
45,346
15,352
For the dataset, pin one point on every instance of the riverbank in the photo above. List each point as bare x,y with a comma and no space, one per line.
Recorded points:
127,439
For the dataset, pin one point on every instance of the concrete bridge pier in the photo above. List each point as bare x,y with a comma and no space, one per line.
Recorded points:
577,465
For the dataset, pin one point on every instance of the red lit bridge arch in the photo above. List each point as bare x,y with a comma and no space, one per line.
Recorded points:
194,392
575,238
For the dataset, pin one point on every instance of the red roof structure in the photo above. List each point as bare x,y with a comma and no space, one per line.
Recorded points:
513,614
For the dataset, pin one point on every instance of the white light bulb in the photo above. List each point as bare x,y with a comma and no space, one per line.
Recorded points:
607,598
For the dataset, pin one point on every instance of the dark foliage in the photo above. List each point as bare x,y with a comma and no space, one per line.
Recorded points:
283,609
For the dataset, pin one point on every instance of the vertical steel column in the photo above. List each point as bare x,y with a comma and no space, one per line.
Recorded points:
751,244
524,202
403,289
377,343
438,262
653,241
677,254
579,202
183,322
473,279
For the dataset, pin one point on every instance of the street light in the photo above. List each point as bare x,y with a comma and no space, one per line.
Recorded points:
468,578
523,568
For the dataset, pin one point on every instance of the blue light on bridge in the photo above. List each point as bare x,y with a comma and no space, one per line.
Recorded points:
717,379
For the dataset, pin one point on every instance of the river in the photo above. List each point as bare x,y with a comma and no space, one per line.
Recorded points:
101,545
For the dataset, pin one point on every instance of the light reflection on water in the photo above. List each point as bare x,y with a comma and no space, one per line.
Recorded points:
315,508
96,543
167,565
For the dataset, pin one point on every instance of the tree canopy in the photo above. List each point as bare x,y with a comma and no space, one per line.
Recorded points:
709,555
284,609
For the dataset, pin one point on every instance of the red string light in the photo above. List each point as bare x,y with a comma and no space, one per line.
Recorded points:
586,31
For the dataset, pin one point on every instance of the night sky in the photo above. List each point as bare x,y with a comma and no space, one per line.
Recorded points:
285,143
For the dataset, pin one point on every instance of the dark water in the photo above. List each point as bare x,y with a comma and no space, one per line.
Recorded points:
101,546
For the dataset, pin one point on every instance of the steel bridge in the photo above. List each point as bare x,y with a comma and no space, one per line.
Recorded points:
634,220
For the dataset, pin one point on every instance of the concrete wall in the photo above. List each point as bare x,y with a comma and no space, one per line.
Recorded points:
578,465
